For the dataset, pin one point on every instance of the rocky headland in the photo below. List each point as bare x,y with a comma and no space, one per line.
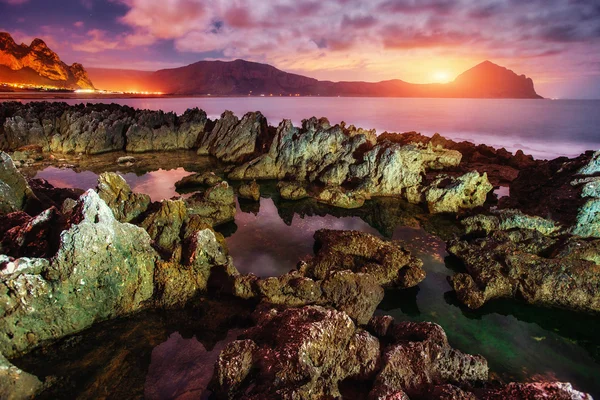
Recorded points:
72,258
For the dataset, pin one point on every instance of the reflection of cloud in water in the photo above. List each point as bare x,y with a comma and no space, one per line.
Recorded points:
265,245
182,368
158,184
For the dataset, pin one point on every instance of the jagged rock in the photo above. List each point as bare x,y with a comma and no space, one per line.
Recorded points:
216,205
114,190
232,140
587,222
506,220
292,190
528,265
198,179
249,191
291,289
592,167
16,384
447,194
418,358
316,152
103,269
164,226
14,190
337,197
389,263
35,237
389,169
296,353
205,256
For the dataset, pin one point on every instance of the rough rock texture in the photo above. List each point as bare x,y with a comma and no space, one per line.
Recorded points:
216,205
315,152
448,194
164,224
16,384
116,193
296,353
506,220
97,128
249,191
14,190
337,197
388,262
103,269
232,140
525,264
292,190
198,179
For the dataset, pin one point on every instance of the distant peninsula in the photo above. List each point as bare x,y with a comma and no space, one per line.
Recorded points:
37,65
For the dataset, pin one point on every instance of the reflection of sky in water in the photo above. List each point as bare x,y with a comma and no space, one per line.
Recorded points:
502,191
182,368
158,184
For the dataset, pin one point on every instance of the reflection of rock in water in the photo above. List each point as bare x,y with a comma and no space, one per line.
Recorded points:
405,300
249,206
80,368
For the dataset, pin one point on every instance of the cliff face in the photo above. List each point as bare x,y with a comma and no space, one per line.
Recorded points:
239,77
22,59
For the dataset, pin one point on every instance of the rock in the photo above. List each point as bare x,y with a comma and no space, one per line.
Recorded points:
103,269
126,160
14,190
126,205
316,152
536,390
164,226
249,191
35,237
587,222
216,205
506,220
292,190
49,196
527,265
418,358
388,262
592,167
337,197
296,353
291,289
447,194
388,169
232,140
203,257
198,179
16,384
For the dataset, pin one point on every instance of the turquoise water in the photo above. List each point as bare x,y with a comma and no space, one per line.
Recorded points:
268,238
544,128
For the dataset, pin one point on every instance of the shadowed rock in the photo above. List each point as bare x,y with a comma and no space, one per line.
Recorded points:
14,190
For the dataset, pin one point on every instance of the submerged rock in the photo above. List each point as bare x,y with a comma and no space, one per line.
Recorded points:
103,269
232,140
125,204
249,191
14,190
447,194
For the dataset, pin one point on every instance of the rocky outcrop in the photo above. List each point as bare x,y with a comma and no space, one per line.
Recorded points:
292,190
43,61
506,220
249,191
233,140
14,190
192,181
215,205
526,264
447,194
310,352
338,197
164,224
116,193
103,269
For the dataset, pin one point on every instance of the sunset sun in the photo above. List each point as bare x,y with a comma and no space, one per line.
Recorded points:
441,77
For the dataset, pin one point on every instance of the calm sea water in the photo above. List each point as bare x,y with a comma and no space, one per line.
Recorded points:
268,238
544,128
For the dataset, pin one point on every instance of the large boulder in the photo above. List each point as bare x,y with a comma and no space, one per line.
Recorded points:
14,190
116,193
164,223
232,140
103,269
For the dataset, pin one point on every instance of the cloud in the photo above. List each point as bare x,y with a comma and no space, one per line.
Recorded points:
14,2
78,24
96,41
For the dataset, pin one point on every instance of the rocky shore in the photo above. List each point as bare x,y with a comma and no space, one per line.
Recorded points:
72,258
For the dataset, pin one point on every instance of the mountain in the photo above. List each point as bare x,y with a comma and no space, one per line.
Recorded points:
36,64
239,77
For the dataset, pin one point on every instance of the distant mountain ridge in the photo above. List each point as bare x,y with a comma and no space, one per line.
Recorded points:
240,78
38,65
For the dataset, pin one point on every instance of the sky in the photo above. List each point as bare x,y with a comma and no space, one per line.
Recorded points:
555,42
